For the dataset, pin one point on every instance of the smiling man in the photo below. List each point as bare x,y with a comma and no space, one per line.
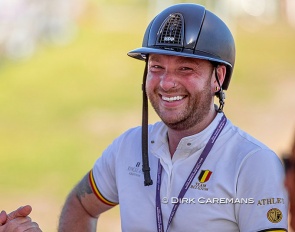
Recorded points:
209,175
181,91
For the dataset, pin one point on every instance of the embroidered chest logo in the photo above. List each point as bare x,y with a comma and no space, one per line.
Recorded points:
135,170
274,215
203,177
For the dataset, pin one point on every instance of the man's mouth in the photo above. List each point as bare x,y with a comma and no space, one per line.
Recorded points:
172,99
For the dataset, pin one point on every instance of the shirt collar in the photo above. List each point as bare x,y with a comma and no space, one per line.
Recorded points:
158,143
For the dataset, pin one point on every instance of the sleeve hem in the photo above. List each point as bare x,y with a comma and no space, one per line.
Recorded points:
274,230
98,193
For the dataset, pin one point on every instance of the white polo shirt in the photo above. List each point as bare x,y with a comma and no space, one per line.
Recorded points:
239,187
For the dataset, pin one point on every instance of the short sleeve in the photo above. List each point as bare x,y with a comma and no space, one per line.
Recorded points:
261,178
103,176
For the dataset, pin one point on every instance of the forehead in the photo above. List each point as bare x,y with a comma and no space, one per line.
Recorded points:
178,59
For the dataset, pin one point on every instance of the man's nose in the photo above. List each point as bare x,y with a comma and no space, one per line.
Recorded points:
168,81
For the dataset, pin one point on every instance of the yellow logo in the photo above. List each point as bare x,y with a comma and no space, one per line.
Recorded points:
274,215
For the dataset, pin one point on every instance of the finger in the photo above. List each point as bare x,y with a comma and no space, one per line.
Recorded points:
20,220
34,230
18,224
34,227
3,217
29,226
20,212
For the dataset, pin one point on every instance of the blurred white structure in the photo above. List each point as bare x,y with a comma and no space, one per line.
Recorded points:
25,23
253,11
290,11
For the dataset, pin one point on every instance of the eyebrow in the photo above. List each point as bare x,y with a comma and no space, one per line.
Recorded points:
182,60
153,58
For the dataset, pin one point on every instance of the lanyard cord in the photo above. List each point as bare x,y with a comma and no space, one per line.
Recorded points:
196,168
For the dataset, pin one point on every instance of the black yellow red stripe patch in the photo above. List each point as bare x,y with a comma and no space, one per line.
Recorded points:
204,176
274,230
97,192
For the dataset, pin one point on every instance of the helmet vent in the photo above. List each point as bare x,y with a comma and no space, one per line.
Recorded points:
171,31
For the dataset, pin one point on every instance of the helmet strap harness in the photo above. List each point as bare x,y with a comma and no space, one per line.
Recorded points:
220,94
144,133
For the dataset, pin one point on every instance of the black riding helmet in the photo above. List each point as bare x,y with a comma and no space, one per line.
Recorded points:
187,30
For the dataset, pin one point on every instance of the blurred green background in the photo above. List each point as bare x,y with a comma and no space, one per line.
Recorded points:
62,105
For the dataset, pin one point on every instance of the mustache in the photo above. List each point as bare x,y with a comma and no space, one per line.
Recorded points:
171,91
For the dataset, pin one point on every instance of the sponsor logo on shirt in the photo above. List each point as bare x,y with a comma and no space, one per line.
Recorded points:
270,201
274,215
199,186
203,177
135,170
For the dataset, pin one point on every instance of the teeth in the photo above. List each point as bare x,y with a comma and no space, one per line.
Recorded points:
170,99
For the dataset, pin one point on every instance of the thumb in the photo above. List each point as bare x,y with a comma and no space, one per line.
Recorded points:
20,212
3,217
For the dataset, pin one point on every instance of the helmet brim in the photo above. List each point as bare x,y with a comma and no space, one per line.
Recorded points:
141,54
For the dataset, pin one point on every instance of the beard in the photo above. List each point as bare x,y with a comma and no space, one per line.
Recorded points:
195,111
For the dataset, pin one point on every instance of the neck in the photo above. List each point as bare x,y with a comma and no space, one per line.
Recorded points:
174,136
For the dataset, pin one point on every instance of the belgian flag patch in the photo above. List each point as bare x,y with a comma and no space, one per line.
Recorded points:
204,176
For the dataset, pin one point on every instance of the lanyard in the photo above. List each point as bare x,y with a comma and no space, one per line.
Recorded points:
196,168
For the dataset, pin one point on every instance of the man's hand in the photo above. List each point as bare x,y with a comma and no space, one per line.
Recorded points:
23,211
18,220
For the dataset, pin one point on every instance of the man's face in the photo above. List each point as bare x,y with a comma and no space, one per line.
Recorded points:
290,185
180,89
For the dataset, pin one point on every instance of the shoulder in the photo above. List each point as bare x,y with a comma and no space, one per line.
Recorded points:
241,135
243,140
247,150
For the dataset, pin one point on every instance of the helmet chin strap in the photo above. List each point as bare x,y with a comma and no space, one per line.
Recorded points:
144,132
220,94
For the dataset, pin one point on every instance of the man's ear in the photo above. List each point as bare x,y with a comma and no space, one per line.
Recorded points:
221,72
218,72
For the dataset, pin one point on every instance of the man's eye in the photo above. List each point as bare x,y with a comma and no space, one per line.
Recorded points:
185,68
155,67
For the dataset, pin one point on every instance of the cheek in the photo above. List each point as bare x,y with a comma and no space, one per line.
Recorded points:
197,84
151,83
